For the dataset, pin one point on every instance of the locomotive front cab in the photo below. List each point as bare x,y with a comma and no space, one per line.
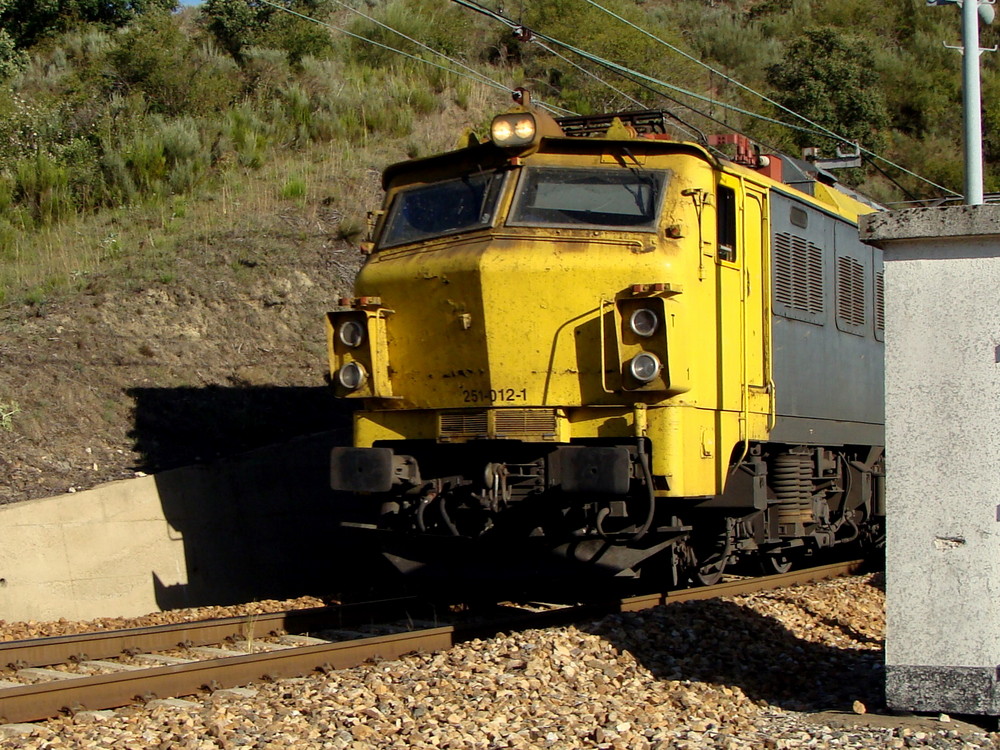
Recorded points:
521,322
562,344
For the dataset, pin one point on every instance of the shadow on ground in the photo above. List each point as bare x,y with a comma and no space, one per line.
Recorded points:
723,643
261,522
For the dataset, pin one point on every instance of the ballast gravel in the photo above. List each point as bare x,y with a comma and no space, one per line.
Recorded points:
741,672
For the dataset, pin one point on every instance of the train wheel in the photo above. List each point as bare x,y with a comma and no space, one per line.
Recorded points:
775,563
708,575
711,554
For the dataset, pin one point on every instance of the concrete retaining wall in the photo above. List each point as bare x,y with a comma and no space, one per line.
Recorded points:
260,526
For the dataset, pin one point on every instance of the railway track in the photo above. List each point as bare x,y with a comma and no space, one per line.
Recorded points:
116,668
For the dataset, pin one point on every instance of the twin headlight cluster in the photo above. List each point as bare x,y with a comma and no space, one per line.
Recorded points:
642,341
356,339
515,129
645,366
352,375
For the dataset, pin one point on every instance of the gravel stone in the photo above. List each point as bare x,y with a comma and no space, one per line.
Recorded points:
732,674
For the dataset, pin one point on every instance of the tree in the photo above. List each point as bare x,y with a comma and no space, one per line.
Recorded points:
829,76
11,58
29,21
234,23
238,24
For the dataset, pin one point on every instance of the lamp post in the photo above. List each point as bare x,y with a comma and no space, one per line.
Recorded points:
972,11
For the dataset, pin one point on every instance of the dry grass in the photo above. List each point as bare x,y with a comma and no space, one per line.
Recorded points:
341,181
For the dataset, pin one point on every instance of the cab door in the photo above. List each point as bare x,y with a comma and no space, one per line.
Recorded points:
741,246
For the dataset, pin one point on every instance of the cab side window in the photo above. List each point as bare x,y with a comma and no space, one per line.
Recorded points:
726,216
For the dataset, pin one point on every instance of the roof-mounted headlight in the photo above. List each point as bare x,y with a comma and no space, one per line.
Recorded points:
516,129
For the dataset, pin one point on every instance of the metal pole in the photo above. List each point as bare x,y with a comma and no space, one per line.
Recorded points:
972,99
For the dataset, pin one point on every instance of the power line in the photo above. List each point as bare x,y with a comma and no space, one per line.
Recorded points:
624,71
681,125
483,78
715,71
767,99
477,77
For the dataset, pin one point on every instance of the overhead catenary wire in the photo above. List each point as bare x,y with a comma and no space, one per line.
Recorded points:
783,108
679,123
629,72
715,71
642,79
701,137
481,78
637,76
474,76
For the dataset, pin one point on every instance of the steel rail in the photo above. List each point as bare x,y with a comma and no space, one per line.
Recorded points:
48,699
38,652
45,700
744,585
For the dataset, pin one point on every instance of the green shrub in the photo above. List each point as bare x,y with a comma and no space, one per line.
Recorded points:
119,187
444,28
266,72
829,76
42,186
8,409
247,135
238,25
146,163
8,241
294,187
176,76
384,118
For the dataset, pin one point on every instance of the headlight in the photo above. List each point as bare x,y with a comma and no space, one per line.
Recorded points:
352,333
513,130
644,367
352,376
525,128
501,131
644,322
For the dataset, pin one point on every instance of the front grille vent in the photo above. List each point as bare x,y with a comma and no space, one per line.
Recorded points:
466,424
519,424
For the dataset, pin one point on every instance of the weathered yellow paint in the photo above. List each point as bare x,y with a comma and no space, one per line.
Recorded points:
536,318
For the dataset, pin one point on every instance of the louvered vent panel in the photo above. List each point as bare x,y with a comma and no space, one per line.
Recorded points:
850,291
518,422
814,278
798,274
468,424
783,288
880,301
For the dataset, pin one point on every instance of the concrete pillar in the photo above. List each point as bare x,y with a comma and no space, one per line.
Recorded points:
942,301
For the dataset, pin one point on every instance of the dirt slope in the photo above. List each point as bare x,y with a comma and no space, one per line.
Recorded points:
220,351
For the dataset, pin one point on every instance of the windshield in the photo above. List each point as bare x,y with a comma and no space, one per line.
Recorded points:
442,208
609,197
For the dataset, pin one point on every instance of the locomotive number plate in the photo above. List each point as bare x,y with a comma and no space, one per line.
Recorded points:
494,395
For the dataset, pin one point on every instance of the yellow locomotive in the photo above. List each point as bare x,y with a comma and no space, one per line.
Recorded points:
583,342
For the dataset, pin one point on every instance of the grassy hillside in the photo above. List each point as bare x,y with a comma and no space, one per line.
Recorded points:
181,193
